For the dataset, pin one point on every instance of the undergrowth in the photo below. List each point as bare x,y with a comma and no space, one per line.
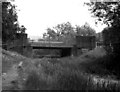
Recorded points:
64,74
54,76
49,76
102,66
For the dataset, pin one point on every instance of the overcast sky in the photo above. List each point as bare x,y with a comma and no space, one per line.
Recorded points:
38,15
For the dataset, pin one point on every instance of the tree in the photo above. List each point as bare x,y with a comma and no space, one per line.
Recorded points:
51,34
111,36
21,29
85,30
44,36
108,13
62,32
66,33
10,25
64,28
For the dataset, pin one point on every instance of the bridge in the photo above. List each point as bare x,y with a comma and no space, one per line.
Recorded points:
65,49
50,45
26,48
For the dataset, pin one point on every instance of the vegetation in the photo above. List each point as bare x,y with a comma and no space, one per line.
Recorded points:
109,14
69,73
91,71
65,32
10,25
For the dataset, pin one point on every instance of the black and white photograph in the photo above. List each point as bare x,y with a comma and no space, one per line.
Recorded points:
57,45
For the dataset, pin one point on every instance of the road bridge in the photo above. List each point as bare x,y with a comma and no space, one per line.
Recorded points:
66,50
26,48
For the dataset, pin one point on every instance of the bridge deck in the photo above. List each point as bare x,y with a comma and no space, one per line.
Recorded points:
50,45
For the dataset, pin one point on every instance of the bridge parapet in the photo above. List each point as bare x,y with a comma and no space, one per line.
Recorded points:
86,42
49,44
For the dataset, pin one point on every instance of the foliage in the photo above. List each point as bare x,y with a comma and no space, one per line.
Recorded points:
108,13
10,25
51,33
111,38
54,77
62,32
52,74
66,33
85,30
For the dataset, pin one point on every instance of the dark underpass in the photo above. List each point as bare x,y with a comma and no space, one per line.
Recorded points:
54,51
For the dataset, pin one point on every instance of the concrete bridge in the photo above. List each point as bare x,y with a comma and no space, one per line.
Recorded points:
26,48
66,50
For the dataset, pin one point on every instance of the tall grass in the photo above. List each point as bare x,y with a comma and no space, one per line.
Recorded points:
63,74
35,82
49,76
66,75
72,80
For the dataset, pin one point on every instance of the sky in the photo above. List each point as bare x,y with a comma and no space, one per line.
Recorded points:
38,15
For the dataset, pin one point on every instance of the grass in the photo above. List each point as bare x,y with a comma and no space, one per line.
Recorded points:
56,77
70,73
103,66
